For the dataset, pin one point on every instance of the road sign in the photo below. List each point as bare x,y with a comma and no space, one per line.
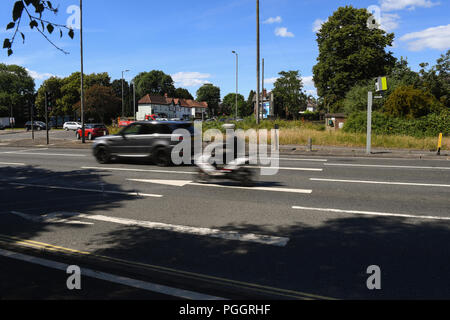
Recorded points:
381,84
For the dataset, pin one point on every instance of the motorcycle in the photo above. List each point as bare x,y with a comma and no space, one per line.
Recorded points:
236,170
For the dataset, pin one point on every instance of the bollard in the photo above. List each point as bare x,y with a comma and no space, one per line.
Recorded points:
310,143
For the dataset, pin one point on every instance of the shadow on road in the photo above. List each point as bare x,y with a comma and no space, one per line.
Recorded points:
329,260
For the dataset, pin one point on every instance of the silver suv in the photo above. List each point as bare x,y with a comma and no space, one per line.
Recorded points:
146,139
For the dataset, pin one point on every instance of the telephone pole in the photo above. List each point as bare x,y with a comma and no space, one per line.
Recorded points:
83,138
257,64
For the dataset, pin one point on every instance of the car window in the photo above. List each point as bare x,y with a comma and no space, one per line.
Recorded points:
133,129
147,129
187,126
163,129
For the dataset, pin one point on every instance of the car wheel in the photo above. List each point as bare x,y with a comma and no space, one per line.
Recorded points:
90,137
102,155
38,128
245,177
162,158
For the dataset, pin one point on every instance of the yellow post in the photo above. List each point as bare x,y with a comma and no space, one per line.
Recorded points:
439,144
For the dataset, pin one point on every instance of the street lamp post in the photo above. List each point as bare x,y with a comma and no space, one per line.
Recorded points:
257,63
123,103
237,81
83,138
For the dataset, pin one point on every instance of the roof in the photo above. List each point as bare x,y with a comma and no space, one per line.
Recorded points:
162,100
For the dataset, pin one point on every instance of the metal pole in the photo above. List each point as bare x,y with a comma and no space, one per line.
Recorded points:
262,87
32,120
46,116
237,83
369,123
123,107
83,138
257,64
134,101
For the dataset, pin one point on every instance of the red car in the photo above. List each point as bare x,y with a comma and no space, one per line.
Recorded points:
93,131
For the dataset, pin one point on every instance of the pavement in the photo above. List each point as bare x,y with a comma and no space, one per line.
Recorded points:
67,139
309,232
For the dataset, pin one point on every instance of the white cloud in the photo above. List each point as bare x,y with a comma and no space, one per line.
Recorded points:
432,38
317,25
284,33
39,76
392,5
272,20
270,80
389,21
190,79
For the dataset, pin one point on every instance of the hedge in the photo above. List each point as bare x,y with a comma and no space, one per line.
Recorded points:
428,126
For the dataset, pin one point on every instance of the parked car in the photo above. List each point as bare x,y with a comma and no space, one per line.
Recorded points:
2,127
38,125
147,139
72,126
93,131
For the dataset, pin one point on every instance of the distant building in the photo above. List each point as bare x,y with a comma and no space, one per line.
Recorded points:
335,121
268,104
170,108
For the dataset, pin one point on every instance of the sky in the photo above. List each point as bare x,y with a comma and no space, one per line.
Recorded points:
193,40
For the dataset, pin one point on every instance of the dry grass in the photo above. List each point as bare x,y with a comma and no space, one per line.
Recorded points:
300,136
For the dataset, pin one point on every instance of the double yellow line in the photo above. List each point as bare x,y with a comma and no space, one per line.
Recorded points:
288,294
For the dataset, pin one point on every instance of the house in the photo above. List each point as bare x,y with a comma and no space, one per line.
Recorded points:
166,107
268,105
335,121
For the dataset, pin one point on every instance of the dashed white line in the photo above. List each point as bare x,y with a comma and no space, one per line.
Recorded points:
370,213
181,183
139,284
384,166
214,233
139,170
12,164
137,194
383,182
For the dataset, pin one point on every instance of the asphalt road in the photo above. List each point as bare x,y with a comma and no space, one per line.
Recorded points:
311,231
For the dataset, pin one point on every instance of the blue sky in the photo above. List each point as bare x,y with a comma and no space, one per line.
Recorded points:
193,40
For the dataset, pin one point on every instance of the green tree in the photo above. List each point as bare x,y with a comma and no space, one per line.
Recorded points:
229,105
22,13
210,94
288,93
182,93
409,102
52,85
102,103
154,82
16,91
349,52
437,79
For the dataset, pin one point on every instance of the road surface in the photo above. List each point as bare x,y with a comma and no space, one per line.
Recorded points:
309,232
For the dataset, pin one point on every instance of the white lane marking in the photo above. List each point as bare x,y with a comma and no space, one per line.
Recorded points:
47,154
383,166
12,164
20,151
49,218
381,214
294,159
383,182
138,194
185,183
283,168
214,233
139,284
139,170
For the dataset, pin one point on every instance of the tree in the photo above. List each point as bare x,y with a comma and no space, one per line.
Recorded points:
437,79
349,52
288,93
52,85
154,82
210,94
16,91
116,87
23,10
409,102
101,103
182,93
229,105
